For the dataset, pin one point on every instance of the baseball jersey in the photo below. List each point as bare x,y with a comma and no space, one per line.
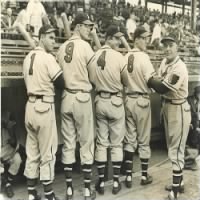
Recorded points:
107,73
139,70
175,77
73,57
40,70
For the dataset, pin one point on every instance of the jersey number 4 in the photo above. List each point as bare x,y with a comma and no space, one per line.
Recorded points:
101,60
130,63
69,52
31,64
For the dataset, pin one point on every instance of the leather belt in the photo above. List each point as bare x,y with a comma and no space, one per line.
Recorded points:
46,99
136,93
108,95
174,101
74,91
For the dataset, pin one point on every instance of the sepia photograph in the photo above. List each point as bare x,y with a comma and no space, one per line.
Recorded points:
100,100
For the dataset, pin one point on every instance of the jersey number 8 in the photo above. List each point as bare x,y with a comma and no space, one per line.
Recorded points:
69,52
101,60
31,64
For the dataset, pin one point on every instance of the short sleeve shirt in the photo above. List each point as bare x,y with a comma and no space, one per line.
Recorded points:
73,57
139,70
106,70
175,77
40,70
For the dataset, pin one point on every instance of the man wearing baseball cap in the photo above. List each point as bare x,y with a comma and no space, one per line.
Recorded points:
76,106
41,74
138,109
107,72
172,84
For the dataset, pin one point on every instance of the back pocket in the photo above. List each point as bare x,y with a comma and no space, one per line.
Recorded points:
116,101
83,97
41,107
143,102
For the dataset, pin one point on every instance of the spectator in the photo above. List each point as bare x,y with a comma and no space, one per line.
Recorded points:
35,12
156,35
22,17
194,135
7,19
131,25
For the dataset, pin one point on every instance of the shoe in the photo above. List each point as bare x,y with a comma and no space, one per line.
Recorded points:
99,188
34,197
181,188
146,180
9,191
116,190
92,195
171,196
69,196
128,183
53,197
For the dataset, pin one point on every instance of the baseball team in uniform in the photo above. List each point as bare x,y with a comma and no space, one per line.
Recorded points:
122,106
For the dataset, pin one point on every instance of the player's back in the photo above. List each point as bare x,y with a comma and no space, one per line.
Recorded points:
73,57
105,69
36,71
139,70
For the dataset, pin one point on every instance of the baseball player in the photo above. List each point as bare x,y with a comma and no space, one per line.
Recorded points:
76,107
41,75
9,153
173,85
106,73
138,108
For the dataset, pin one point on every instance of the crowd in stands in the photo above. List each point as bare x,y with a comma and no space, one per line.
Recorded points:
33,13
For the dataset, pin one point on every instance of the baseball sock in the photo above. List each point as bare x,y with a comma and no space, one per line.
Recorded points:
101,170
116,171
48,189
177,178
87,173
9,179
144,166
128,157
31,184
68,174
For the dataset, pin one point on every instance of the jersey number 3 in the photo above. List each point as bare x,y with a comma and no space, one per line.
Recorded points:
130,63
101,60
69,52
31,64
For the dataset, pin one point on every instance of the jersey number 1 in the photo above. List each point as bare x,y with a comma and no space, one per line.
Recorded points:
101,60
69,52
31,65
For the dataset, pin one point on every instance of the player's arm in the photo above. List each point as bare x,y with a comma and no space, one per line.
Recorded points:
25,34
95,38
157,84
59,82
66,25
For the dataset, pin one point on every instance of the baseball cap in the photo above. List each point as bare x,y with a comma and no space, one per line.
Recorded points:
113,30
170,37
82,18
47,28
141,32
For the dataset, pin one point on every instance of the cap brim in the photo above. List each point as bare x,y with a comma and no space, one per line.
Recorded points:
167,39
146,34
50,30
118,34
88,22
